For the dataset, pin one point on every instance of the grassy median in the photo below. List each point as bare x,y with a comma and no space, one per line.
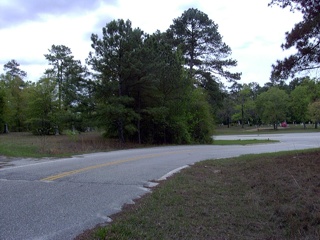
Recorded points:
243,142
268,196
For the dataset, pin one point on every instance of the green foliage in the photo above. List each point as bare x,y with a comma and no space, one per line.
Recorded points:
314,111
175,105
304,36
226,111
144,94
12,68
313,88
201,43
245,109
206,55
201,121
73,91
166,105
42,107
14,107
273,106
299,101
2,105
118,115
117,63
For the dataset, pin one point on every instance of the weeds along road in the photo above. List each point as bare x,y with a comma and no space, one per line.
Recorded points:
58,199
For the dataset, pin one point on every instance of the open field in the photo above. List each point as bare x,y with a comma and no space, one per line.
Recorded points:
267,196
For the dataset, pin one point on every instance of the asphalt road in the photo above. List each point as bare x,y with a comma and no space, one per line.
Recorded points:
58,199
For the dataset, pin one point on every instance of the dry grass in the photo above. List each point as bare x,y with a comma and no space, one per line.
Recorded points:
252,197
28,145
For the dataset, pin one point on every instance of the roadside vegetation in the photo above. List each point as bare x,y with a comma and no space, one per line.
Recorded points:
28,145
267,196
264,129
243,142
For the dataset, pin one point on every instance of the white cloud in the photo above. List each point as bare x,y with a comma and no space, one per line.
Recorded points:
253,30
29,42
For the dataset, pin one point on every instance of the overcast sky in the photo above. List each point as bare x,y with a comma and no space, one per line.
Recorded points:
28,28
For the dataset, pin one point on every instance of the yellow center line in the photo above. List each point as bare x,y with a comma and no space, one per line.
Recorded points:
68,173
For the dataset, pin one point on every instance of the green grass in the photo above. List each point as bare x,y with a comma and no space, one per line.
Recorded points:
12,150
267,196
224,130
28,145
242,142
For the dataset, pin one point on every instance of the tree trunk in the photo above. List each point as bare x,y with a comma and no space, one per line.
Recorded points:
139,110
139,131
5,129
242,114
120,130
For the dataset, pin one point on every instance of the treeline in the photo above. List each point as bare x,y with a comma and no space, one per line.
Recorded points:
165,87
276,102
158,88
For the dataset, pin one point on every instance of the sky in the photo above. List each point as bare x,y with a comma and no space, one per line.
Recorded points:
28,28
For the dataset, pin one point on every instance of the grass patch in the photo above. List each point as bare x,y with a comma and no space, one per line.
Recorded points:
28,145
224,130
242,142
12,150
266,196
